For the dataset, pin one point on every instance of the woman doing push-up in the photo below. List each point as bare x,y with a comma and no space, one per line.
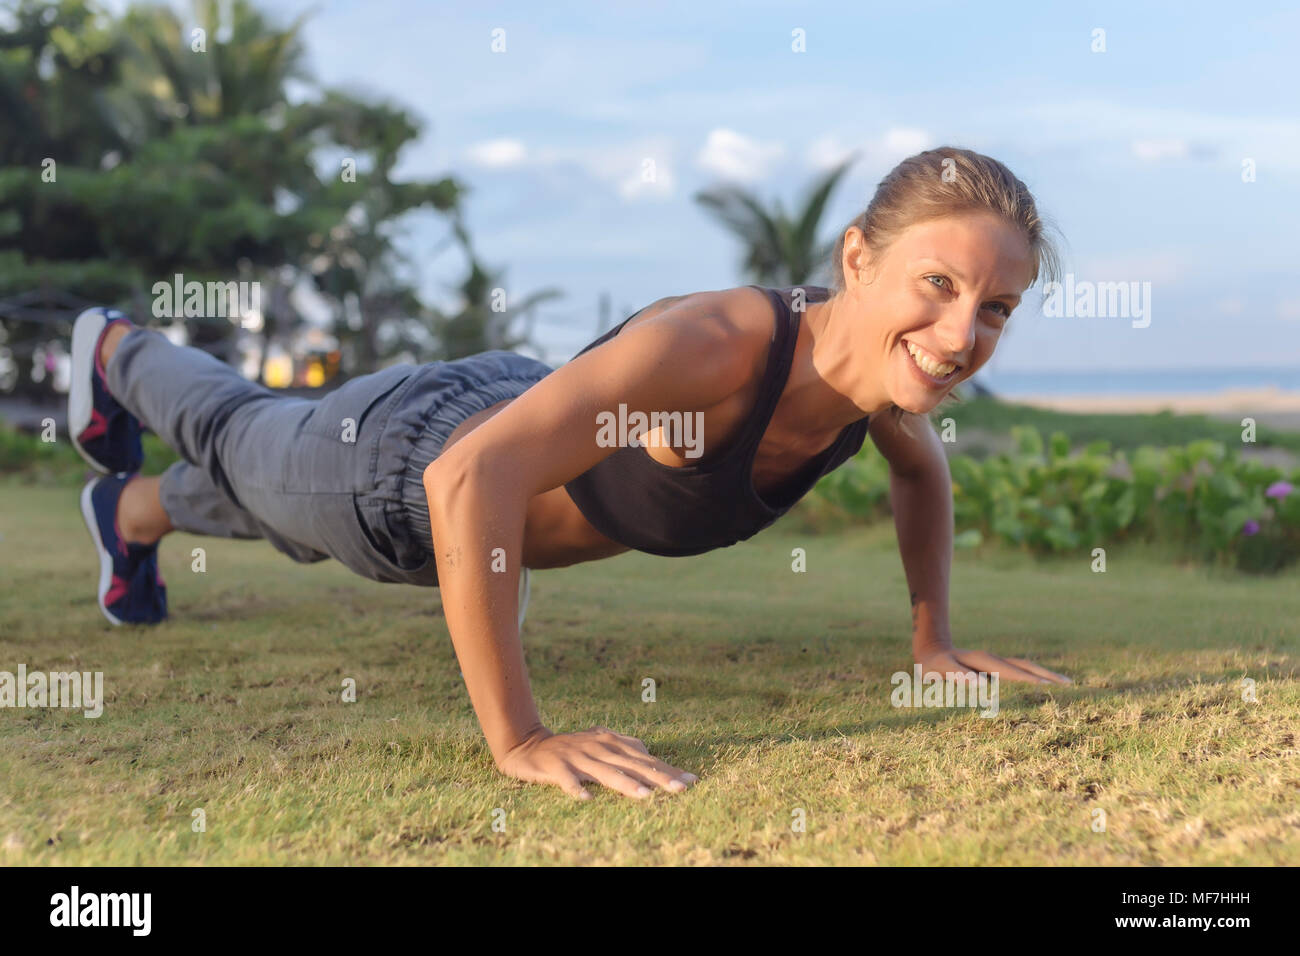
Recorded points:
463,475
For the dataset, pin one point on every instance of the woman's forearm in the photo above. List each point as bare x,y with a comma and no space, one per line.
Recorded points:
922,506
473,510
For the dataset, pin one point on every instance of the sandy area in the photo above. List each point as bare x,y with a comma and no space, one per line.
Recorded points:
1268,406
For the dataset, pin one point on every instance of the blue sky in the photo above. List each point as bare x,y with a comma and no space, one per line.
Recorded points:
1134,153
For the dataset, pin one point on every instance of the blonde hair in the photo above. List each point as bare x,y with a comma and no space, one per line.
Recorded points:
943,182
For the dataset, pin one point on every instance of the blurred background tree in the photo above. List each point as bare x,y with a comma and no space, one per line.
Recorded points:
486,318
779,250
137,147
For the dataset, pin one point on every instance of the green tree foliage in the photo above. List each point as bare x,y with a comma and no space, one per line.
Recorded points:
177,147
487,316
779,250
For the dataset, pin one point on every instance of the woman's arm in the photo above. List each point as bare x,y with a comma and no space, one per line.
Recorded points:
686,359
920,495
921,500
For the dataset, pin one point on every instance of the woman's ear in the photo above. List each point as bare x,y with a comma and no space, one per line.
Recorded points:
856,259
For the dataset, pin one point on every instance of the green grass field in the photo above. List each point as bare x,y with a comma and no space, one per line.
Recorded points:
772,686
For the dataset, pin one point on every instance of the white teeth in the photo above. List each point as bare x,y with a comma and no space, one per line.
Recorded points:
927,364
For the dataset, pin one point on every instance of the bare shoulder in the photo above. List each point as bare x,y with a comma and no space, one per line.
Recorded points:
735,324
691,355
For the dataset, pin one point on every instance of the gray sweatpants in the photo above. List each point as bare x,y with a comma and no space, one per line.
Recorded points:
340,477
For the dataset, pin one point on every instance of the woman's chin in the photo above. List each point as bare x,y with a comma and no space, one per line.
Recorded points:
918,404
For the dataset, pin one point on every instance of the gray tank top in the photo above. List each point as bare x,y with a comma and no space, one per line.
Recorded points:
677,511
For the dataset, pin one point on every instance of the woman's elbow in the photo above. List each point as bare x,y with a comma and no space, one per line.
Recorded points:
446,480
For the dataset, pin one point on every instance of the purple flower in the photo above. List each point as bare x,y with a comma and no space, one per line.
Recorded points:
1279,489
1250,527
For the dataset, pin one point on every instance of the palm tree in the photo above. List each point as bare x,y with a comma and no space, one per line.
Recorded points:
243,69
243,72
779,251
478,326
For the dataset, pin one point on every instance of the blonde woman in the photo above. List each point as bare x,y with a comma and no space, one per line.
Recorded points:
466,474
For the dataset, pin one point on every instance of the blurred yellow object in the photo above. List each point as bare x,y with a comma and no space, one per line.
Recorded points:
278,371
315,374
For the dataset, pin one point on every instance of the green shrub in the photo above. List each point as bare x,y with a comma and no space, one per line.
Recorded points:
1198,496
25,459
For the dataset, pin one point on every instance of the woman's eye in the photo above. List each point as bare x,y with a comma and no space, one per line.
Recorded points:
939,282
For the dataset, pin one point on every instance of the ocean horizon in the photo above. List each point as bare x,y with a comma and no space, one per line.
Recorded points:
1137,381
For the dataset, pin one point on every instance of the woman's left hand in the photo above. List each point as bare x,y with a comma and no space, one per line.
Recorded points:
951,659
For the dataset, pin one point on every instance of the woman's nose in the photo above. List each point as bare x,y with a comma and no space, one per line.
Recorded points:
956,330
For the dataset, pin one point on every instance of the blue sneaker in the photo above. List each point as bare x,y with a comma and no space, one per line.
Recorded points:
103,432
131,588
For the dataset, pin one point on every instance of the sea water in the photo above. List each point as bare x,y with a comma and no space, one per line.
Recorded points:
1137,381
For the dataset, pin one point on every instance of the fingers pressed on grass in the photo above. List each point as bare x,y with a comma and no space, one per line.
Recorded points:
962,670
1040,670
609,736
568,780
946,662
991,663
950,666
656,771
630,741
1015,671
607,775
1010,672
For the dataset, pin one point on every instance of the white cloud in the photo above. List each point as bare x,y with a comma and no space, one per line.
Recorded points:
901,142
1153,132
639,170
826,152
497,153
1289,310
734,156
654,179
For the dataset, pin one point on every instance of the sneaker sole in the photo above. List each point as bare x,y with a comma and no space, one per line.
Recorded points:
81,394
105,559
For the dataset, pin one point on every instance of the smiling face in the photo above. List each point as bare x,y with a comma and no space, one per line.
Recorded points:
933,306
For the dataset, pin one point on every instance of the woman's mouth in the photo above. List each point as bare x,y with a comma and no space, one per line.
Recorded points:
928,369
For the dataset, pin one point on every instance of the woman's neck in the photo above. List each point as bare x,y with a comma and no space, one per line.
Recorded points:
831,384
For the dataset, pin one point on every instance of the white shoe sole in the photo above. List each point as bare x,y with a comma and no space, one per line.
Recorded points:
524,593
81,393
105,559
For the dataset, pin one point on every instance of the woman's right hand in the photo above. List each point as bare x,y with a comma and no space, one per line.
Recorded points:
613,760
